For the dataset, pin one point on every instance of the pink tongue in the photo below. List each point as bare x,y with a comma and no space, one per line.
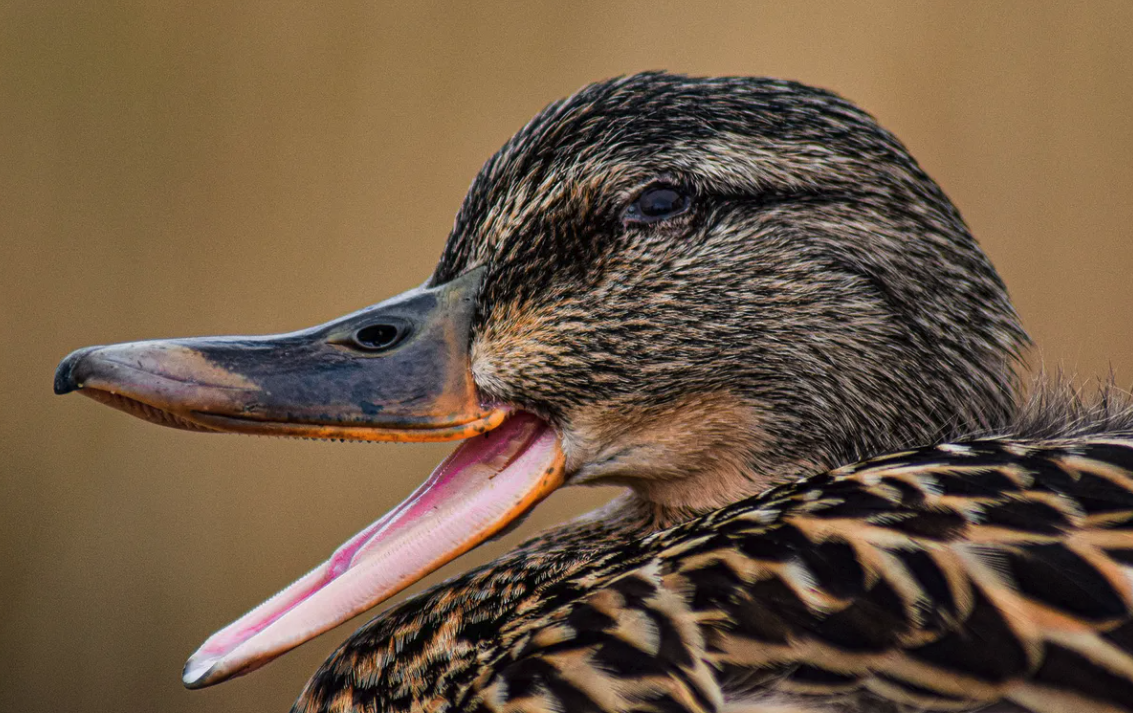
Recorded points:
487,482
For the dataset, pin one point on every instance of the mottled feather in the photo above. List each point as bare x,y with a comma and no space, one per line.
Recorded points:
944,578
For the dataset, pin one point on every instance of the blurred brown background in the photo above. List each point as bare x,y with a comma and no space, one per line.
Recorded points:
177,168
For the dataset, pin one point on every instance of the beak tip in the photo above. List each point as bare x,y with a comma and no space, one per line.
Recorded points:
196,672
66,379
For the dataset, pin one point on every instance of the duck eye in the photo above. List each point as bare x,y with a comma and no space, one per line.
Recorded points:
379,337
657,203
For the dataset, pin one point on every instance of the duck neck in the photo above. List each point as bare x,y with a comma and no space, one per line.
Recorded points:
662,504
653,506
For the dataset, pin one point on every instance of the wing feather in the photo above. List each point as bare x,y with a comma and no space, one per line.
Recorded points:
947,578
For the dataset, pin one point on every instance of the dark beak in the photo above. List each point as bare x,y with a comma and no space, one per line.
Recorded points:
397,371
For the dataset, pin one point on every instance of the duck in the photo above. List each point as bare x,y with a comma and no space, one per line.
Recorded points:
744,301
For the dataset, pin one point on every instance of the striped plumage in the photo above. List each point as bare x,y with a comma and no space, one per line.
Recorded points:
945,578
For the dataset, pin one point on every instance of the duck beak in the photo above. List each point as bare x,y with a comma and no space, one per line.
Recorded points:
396,371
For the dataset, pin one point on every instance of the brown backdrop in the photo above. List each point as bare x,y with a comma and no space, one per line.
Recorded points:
175,168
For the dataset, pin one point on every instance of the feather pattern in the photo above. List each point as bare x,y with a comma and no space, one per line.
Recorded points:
944,578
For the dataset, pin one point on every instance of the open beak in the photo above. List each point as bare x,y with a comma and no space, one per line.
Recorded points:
396,371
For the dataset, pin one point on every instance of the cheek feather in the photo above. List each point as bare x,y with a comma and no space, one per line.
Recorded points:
515,355
696,454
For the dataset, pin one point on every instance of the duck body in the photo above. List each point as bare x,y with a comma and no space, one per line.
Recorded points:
743,300
946,578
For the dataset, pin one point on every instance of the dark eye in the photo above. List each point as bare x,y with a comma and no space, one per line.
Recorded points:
657,203
379,337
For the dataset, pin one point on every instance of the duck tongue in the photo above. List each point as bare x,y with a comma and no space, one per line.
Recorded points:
488,482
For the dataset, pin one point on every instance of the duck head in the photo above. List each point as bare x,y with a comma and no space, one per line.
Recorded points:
690,287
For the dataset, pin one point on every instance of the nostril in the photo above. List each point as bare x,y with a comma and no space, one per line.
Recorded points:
379,337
